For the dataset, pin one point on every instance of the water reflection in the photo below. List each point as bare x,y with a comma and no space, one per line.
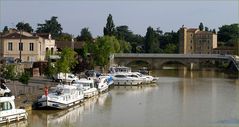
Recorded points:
68,117
22,123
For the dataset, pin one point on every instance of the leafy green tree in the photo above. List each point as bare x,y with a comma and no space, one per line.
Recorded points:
123,33
227,33
64,37
109,29
67,60
102,49
170,48
125,47
50,69
85,35
169,38
9,72
201,27
24,26
24,78
5,30
151,44
50,26
237,47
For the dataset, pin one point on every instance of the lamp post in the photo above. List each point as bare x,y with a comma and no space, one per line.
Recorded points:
20,47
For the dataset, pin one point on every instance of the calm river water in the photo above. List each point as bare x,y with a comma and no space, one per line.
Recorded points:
179,99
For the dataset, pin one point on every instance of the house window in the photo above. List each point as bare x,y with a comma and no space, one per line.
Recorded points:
31,47
20,46
10,46
208,47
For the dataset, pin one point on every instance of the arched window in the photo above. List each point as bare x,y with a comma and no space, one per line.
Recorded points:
52,50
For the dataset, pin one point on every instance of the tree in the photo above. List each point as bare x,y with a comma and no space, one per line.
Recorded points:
206,29
227,33
201,27
170,48
237,47
24,27
151,44
109,29
67,60
50,69
5,30
214,31
64,37
50,26
9,72
102,49
85,35
24,78
125,47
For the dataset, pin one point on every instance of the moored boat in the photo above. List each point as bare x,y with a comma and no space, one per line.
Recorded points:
102,84
64,96
8,111
88,87
126,79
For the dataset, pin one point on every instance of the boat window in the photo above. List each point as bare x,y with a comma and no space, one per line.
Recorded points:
5,106
120,76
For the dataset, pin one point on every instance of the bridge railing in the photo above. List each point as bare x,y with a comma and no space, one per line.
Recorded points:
151,55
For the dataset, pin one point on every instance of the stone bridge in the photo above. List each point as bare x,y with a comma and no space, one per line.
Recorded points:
156,61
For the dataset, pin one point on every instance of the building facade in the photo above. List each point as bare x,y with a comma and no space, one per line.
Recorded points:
194,41
29,47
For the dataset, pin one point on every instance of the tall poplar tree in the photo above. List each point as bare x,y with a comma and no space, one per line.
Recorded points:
201,27
109,29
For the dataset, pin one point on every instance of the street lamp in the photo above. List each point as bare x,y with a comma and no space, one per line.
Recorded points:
20,46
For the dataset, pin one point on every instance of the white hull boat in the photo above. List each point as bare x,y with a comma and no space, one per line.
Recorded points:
88,87
8,112
126,79
63,97
102,84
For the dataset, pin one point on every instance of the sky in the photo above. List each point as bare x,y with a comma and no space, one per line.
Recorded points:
74,15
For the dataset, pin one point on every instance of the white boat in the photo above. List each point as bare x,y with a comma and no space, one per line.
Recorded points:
8,111
109,79
64,96
102,84
126,79
145,78
88,87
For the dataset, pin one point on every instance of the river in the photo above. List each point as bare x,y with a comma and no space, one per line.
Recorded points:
180,98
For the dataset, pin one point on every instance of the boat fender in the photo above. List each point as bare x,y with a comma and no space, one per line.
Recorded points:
17,118
8,120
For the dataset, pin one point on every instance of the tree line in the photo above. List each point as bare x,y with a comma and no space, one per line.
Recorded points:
121,39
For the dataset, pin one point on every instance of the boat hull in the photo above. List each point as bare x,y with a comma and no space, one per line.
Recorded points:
47,103
14,115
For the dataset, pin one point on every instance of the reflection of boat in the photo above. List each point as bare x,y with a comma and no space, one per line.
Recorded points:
64,96
88,87
8,112
22,123
70,115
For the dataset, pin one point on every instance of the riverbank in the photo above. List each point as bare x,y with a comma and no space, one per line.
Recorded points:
26,95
